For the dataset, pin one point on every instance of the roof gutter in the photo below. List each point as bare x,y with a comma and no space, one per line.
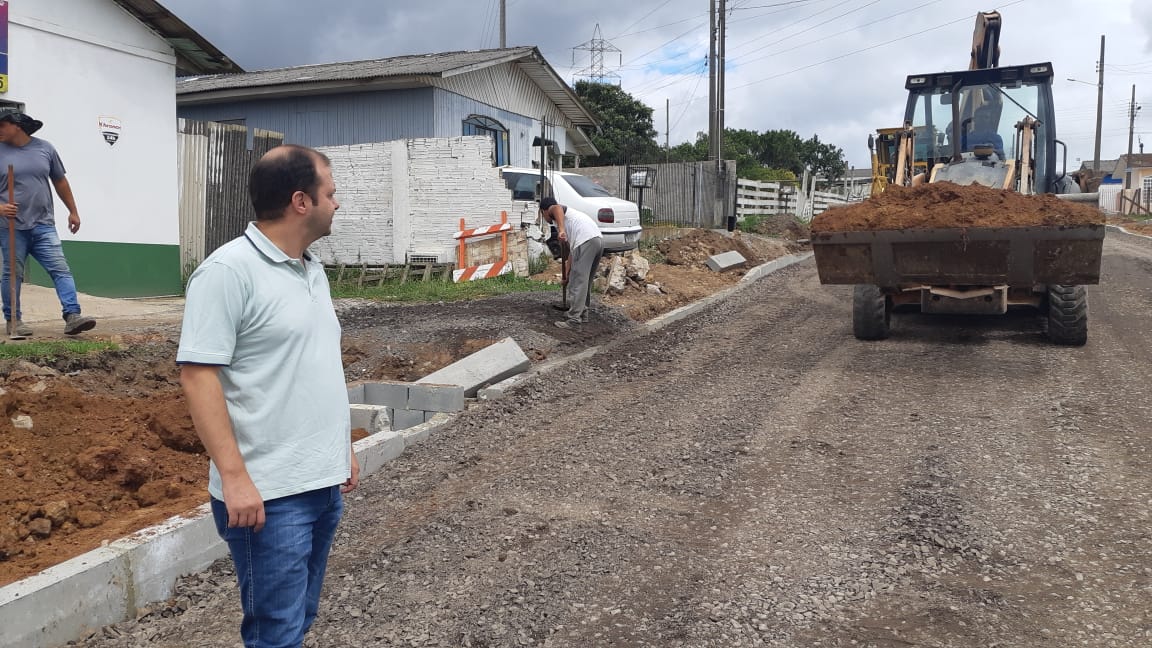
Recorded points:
298,88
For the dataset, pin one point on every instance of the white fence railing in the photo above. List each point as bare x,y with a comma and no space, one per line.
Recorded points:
754,197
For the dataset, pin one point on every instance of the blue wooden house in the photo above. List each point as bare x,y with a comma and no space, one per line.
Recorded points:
511,95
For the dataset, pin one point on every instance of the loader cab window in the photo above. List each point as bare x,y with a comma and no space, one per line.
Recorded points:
988,115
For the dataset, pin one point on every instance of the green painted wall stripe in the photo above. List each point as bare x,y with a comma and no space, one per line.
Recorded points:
119,269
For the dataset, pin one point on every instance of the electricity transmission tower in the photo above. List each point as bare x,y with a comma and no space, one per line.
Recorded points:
596,48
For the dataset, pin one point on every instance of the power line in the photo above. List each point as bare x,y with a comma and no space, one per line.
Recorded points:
692,98
865,49
658,8
778,4
804,31
840,33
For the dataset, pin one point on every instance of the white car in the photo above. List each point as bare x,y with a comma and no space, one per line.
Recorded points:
619,219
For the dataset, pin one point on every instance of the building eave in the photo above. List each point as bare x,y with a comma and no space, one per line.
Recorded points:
194,53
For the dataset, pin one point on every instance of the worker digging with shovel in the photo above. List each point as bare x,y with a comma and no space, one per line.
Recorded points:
582,236
32,168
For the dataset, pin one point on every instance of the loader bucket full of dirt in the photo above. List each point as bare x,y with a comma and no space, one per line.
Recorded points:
943,234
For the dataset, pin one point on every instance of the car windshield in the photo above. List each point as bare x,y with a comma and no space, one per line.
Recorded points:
586,187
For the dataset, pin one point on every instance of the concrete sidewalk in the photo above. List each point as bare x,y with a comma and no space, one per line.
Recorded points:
40,305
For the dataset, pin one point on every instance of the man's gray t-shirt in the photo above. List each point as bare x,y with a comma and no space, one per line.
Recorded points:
37,165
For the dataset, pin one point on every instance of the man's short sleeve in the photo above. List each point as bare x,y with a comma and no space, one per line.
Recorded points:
213,311
55,164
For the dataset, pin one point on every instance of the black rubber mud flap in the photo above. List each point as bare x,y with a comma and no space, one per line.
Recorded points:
871,313
1067,315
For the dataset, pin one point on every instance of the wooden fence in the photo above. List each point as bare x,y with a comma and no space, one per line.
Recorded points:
754,197
215,160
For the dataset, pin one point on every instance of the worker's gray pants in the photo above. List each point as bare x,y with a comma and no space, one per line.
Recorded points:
584,259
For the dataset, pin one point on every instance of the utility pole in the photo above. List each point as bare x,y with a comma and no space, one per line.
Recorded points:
1099,110
721,22
1132,110
667,128
713,136
503,24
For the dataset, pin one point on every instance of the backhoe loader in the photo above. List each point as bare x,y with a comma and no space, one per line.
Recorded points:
988,125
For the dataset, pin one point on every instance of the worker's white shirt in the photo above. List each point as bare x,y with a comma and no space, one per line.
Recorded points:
580,227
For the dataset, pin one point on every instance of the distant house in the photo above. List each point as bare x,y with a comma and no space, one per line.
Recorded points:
99,74
1138,189
1141,167
511,95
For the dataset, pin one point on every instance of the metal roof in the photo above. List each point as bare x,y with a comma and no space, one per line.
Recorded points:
409,71
194,54
1139,161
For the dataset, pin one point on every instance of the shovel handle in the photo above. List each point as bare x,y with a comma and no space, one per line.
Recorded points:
11,247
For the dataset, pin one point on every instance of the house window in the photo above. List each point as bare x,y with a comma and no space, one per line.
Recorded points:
1147,197
480,125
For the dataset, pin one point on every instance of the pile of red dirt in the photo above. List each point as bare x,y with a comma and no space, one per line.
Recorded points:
78,469
948,205
696,246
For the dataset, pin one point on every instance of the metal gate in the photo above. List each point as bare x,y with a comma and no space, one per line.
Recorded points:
685,194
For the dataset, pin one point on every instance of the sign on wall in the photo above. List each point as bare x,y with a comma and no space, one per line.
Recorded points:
110,128
3,46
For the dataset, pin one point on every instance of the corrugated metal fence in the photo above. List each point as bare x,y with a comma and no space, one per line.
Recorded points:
687,194
214,164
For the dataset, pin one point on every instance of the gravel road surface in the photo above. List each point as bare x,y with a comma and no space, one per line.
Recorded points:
754,476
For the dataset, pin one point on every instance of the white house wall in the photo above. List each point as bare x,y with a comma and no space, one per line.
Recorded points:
72,62
406,198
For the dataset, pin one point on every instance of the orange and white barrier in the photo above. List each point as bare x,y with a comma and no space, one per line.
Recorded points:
481,231
486,270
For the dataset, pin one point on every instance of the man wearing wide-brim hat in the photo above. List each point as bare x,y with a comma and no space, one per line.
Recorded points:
37,169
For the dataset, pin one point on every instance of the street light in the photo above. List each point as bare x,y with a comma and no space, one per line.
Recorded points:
1099,116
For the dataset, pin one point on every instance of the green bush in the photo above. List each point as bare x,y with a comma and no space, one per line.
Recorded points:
749,223
539,264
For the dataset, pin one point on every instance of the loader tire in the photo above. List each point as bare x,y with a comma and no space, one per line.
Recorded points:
1067,315
871,313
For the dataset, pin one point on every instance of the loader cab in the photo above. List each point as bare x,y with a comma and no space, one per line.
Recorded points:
972,116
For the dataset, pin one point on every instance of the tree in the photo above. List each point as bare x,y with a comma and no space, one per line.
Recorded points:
626,133
825,160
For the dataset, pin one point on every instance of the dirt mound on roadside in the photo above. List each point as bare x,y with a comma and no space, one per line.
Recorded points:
948,205
696,246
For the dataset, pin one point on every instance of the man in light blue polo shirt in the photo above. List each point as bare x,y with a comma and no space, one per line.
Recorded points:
262,371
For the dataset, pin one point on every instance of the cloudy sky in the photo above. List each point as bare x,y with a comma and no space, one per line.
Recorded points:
832,68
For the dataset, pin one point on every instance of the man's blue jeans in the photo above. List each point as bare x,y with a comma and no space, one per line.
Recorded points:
281,568
43,244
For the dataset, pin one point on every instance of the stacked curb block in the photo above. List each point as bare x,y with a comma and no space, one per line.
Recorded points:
116,582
